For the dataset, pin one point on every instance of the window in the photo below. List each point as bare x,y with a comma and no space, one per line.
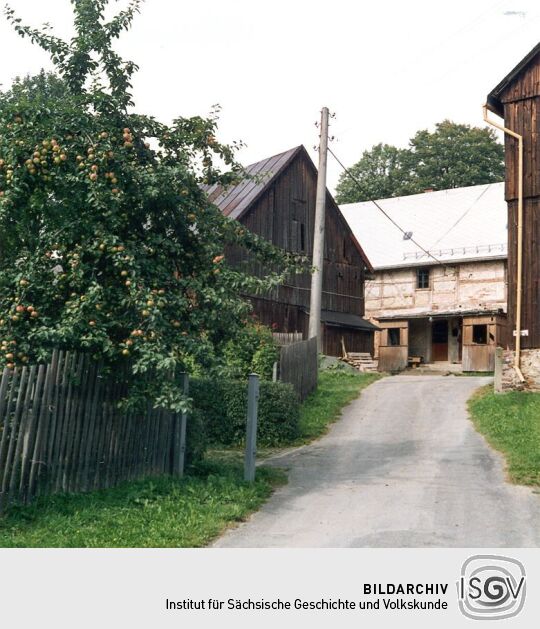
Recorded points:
298,236
479,334
394,336
422,278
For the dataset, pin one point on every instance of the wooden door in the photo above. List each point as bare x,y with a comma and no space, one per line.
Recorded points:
439,333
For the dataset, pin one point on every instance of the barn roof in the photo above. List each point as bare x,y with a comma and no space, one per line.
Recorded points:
236,200
458,225
493,99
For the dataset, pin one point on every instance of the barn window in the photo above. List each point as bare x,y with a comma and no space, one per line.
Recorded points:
479,334
394,336
302,237
422,278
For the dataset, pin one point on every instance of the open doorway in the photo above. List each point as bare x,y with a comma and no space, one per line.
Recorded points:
439,338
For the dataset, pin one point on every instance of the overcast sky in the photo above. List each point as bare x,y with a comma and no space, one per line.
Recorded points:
386,68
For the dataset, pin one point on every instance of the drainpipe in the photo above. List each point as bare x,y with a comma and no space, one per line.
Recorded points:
519,271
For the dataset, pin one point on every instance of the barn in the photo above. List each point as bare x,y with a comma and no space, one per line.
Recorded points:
277,201
516,99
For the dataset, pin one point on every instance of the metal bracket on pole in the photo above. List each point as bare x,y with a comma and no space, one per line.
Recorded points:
251,428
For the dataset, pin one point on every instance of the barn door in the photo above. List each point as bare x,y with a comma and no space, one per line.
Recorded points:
439,340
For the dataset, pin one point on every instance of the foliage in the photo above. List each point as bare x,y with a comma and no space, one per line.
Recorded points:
511,424
108,243
377,175
252,350
223,403
336,388
196,440
452,156
154,513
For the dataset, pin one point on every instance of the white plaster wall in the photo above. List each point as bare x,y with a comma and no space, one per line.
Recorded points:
469,286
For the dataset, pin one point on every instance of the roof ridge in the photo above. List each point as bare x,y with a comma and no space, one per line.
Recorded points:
426,194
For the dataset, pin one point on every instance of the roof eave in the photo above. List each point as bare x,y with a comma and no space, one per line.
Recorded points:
423,263
493,100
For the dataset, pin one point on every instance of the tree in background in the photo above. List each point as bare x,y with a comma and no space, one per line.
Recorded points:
107,242
378,174
452,156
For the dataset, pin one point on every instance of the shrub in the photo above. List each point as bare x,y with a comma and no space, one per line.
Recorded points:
253,350
223,406
196,439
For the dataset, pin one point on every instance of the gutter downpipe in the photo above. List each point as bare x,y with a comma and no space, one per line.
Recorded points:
519,278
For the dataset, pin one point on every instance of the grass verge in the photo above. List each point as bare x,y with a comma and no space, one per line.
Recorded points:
511,424
170,513
155,512
323,406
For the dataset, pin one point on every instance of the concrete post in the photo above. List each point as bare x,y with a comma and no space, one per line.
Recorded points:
182,428
318,236
498,385
251,428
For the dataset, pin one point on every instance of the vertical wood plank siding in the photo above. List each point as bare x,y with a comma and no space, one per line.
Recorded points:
298,366
61,430
284,214
521,102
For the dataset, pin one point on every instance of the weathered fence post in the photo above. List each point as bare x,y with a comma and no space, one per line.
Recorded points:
251,429
498,370
179,458
275,372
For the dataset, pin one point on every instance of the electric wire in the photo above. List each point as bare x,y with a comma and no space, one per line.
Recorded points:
378,206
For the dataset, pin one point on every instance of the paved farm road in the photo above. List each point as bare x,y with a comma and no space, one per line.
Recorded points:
403,468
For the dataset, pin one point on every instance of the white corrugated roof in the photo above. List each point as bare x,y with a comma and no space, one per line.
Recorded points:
453,225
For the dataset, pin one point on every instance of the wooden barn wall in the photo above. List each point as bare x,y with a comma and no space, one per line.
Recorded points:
280,316
285,215
522,114
530,307
355,340
523,117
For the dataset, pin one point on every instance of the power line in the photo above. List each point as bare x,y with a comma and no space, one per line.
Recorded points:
405,233
430,50
464,214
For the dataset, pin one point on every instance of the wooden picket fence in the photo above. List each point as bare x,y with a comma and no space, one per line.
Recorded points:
61,431
286,338
298,365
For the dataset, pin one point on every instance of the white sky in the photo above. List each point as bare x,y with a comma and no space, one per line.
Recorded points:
386,68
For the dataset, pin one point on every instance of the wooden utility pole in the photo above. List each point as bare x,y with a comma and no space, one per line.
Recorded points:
318,235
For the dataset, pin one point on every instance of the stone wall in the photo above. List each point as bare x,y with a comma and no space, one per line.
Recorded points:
530,368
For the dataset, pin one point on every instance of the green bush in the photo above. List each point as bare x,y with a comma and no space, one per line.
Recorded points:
253,350
196,439
223,407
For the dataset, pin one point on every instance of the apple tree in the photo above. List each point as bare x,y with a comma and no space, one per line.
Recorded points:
108,243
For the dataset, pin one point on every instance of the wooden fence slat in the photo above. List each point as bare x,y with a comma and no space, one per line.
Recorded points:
6,477
61,429
30,427
18,434
5,422
59,438
43,425
298,365
74,436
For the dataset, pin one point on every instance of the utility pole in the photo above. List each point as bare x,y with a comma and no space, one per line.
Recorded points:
318,235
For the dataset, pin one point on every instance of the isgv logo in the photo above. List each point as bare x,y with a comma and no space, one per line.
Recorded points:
491,587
